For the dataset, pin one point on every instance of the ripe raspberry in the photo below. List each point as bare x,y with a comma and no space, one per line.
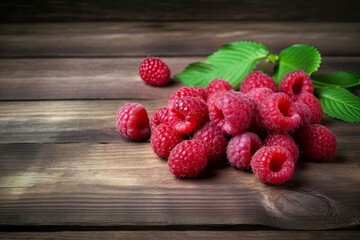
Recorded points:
259,94
316,142
284,140
257,79
154,71
241,148
163,139
159,116
296,83
273,164
232,112
278,112
304,111
218,85
187,113
198,92
132,121
187,159
215,142
314,105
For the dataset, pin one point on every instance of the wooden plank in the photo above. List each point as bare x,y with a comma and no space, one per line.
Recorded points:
178,235
170,39
66,10
102,78
89,184
93,121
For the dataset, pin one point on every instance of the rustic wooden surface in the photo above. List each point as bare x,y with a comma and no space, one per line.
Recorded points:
63,166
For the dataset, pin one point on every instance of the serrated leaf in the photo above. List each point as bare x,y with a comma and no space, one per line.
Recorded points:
232,62
296,57
340,103
341,79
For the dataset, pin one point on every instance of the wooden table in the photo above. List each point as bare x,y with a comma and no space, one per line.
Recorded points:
64,168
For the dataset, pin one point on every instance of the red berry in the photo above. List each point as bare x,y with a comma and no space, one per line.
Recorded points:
232,112
257,79
187,113
187,159
218,85
198,92
214,141
273,164
305,113
296,83
278,112
154,71
159,116
259,94
316,142
314,106
132,121
241,148
163,139
283,139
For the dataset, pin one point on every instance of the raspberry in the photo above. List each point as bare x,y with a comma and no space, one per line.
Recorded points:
187,159
241,148
304,111
215,142
296,83
273,164
187,113
218,85
284,140
231,112
257,79
159,116
316,142
163,139
154,71
132,121
314,106
198,92
259,94
278,112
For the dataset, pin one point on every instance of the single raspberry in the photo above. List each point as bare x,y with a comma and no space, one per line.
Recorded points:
282,139
132,121
159,116
163,139
218,85
241,148
273,164
257,79
198,92
232,112
154,71
187,159
278,112
305,113
215,142
296,83
187,113
259,94
316,142
314,105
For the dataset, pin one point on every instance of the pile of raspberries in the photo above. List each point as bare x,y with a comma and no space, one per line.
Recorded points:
257,128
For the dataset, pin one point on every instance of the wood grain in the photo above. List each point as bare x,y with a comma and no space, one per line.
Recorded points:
103,78
126,184
170,39
212,10
179,235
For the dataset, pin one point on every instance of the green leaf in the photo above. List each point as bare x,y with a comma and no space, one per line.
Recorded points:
341,79
232,62
339,103
296,57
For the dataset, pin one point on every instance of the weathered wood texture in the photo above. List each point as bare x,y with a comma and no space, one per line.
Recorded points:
170,39
164,10
102,78
180,235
